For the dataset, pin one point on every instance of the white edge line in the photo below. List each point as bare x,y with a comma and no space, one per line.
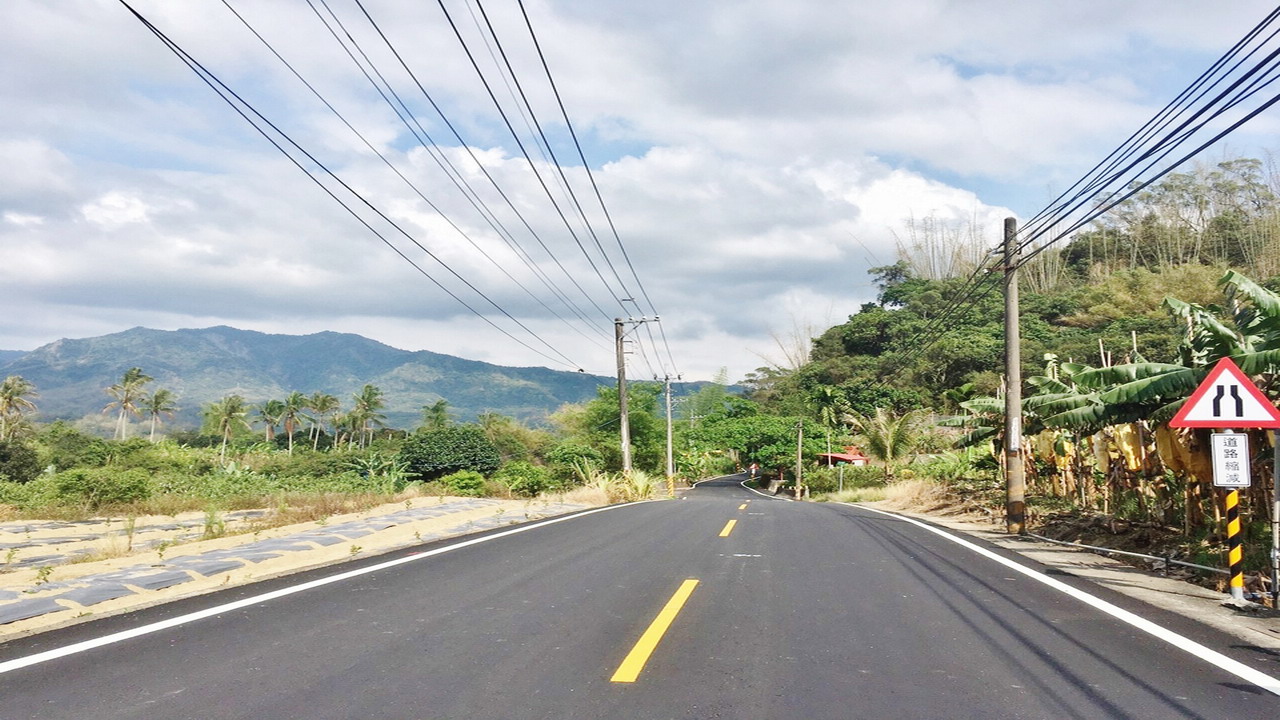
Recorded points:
709,479
1213,657
767,495
74,648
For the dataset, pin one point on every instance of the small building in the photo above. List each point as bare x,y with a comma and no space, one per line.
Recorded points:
851,456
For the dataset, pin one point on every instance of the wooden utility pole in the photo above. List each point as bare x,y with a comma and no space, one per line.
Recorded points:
1015,480
624,422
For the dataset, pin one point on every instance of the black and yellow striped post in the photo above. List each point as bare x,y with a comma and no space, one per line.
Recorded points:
1235,553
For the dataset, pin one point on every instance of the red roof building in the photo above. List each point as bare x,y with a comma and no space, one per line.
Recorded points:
851,456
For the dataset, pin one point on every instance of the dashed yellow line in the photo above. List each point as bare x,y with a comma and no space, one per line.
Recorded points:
631,666
728,528
743,506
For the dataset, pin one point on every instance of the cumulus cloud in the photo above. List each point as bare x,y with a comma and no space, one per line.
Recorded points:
756,158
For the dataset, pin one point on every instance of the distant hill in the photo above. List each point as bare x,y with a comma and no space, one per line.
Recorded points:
10,355
202,366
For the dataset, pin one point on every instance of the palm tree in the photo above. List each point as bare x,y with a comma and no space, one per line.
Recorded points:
156,404
833,409
269,413
435,415
127,393
15,399
367,403
292,414
324,406
888,438
228,414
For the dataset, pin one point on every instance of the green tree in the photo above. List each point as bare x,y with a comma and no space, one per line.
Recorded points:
128,393
433,454
365,412
597,424
160,402
325,406
888,438
293,414
15,400
436,415
769,440
269,414
19,462
228,415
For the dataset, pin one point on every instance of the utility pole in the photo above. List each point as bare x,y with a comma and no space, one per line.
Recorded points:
1015,481
799,455
1275,519
624,421
671,466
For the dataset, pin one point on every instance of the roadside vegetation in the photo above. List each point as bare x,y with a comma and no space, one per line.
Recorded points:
1119,326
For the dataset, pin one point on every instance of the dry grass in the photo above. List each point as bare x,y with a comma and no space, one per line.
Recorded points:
585,495
109,549
855,495
316,507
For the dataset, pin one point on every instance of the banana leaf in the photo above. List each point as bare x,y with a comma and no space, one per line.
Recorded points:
1049,405
1048,384
984,405
1267,361
1102,378
976,436
1176,382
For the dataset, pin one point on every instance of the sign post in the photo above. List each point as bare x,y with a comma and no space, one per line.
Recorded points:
1227,399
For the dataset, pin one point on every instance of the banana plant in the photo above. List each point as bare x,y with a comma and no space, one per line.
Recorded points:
1155,391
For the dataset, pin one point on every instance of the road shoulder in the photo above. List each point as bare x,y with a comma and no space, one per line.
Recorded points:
1169,594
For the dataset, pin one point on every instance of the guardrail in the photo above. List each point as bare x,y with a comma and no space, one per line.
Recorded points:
1164,569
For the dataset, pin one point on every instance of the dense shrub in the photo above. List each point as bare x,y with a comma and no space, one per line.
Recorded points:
96,487
69,448
524,478
823,479
435,453
467,483
566,456
19,462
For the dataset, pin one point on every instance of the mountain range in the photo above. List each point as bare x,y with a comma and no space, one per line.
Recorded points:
202,366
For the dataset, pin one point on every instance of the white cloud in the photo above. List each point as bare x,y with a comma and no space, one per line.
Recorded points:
23,219
756,157
114,210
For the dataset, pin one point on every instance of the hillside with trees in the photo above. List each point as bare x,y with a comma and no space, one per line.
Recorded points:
1119,325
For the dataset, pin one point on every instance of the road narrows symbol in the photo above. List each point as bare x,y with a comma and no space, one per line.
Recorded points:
1235,395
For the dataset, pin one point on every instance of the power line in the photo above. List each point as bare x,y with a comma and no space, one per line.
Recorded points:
586,166
442,160
1112,171
401,175
525,152
465,147
226,94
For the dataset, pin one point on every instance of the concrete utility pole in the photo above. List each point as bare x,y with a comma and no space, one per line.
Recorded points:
624,420
1015,481
671,465
1275,520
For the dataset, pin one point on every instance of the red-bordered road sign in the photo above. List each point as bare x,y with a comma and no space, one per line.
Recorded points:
1227,399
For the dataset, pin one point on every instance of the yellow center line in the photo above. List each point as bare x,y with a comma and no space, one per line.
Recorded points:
728,528
631,666
743,506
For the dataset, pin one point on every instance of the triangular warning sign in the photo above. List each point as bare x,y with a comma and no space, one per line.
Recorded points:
1227,399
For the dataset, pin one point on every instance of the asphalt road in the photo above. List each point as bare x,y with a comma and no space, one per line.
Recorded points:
799,611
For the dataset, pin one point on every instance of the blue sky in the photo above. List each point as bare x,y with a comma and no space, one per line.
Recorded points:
753,155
